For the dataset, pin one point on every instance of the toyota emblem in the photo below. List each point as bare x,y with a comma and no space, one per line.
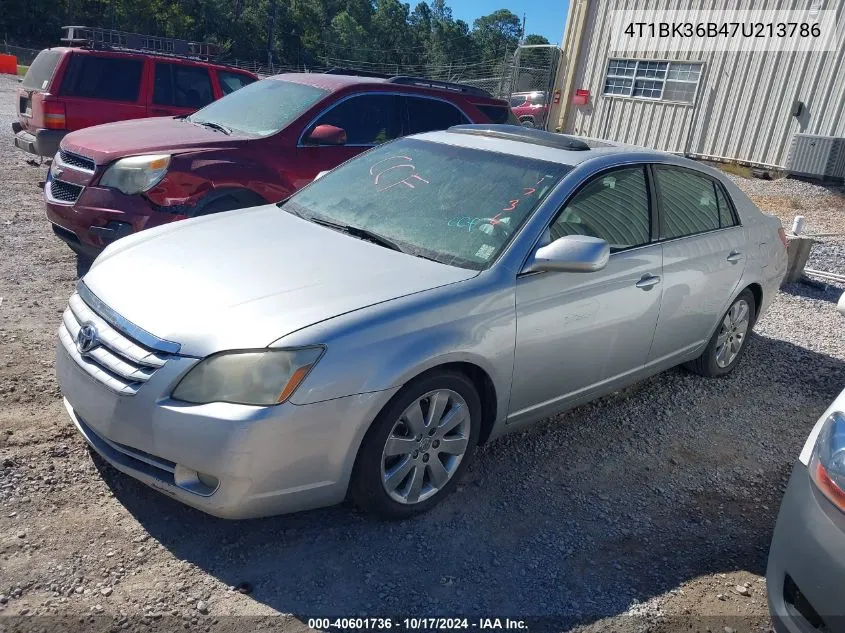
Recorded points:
86,338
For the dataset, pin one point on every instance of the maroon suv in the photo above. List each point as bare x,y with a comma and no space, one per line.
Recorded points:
256,145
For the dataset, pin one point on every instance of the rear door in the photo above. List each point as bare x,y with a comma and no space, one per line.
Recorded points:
368,119
179,88
703,258
102,88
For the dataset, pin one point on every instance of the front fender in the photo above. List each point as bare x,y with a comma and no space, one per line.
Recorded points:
192,177
385,346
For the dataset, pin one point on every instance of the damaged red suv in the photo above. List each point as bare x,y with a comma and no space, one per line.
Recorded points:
254,146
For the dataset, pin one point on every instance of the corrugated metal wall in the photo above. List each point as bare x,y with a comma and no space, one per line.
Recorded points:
744,105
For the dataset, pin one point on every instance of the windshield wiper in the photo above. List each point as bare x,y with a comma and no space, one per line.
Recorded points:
357,231
213,126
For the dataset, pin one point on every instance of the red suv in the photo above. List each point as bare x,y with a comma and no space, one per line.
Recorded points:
531,108
256,145
68,89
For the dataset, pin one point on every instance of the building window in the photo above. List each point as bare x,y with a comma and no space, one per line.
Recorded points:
657,81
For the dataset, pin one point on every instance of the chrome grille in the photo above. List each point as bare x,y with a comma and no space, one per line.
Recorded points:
118,362
63,191
77,161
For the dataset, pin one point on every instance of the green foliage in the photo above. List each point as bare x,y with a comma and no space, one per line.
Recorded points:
381,34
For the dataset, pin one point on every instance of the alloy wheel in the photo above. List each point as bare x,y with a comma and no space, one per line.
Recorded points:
732,333
425,446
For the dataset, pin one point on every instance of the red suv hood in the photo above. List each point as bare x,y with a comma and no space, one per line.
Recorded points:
106,143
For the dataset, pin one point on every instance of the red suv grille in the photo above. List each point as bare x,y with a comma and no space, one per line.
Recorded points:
75,160
64,191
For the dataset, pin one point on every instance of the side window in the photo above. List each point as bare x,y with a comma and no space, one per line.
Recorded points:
367,119
229,82
614,206
182,86
95,77
425,115
499,114
726,214
687,202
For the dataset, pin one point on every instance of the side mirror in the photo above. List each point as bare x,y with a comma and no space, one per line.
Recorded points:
571,253
327,135
841,305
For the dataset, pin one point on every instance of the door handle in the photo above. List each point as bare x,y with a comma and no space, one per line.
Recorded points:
734,257
648,282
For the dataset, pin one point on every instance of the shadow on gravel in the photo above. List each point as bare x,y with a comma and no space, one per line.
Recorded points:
814,290
572,520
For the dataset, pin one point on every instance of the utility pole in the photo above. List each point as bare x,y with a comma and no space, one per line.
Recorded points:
522,36
271,32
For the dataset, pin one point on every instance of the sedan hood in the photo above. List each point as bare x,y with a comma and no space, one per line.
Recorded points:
244,279
106,143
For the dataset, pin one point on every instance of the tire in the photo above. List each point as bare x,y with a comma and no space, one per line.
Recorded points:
226,203
527,122
238,199
383,484
720,357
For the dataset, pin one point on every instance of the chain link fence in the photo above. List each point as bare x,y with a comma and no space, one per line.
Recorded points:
25,55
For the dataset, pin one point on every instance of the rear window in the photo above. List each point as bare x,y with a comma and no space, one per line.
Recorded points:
498,114
98,77
229,82
41,71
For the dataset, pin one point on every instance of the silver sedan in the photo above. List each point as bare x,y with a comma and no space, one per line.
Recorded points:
361,338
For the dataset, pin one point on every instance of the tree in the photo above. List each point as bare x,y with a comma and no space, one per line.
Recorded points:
535,58
497,33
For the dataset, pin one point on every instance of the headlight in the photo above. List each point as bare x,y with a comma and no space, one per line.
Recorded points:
262,378
827,465
136,173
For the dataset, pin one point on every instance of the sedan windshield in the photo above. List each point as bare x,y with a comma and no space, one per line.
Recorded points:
455,205
260,109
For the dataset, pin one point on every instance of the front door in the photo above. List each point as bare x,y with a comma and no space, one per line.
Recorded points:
577,332
368,120
703,260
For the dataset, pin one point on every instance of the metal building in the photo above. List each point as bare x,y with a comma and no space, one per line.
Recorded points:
728,105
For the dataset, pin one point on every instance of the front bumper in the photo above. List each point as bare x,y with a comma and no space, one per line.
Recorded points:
99,216
42,143
231,461
807,552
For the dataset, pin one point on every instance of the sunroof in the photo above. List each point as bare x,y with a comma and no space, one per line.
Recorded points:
524,135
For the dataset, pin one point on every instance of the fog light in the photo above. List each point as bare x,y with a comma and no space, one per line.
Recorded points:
198,483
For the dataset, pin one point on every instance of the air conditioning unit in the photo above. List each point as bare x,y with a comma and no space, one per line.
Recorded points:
816,156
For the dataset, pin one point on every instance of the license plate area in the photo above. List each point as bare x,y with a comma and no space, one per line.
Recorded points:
25,106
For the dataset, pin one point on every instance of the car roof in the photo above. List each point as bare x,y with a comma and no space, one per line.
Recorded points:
153,54
548,146
332,83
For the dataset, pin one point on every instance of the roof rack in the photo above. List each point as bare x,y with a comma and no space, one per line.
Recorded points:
95,37
356,73
524,134
436,83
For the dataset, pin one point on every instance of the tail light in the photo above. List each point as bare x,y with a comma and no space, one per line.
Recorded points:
54,115
782,236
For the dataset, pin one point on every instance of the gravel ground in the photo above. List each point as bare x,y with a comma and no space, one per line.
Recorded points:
650,510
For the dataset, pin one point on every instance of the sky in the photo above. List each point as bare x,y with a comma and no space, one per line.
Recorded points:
544,17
